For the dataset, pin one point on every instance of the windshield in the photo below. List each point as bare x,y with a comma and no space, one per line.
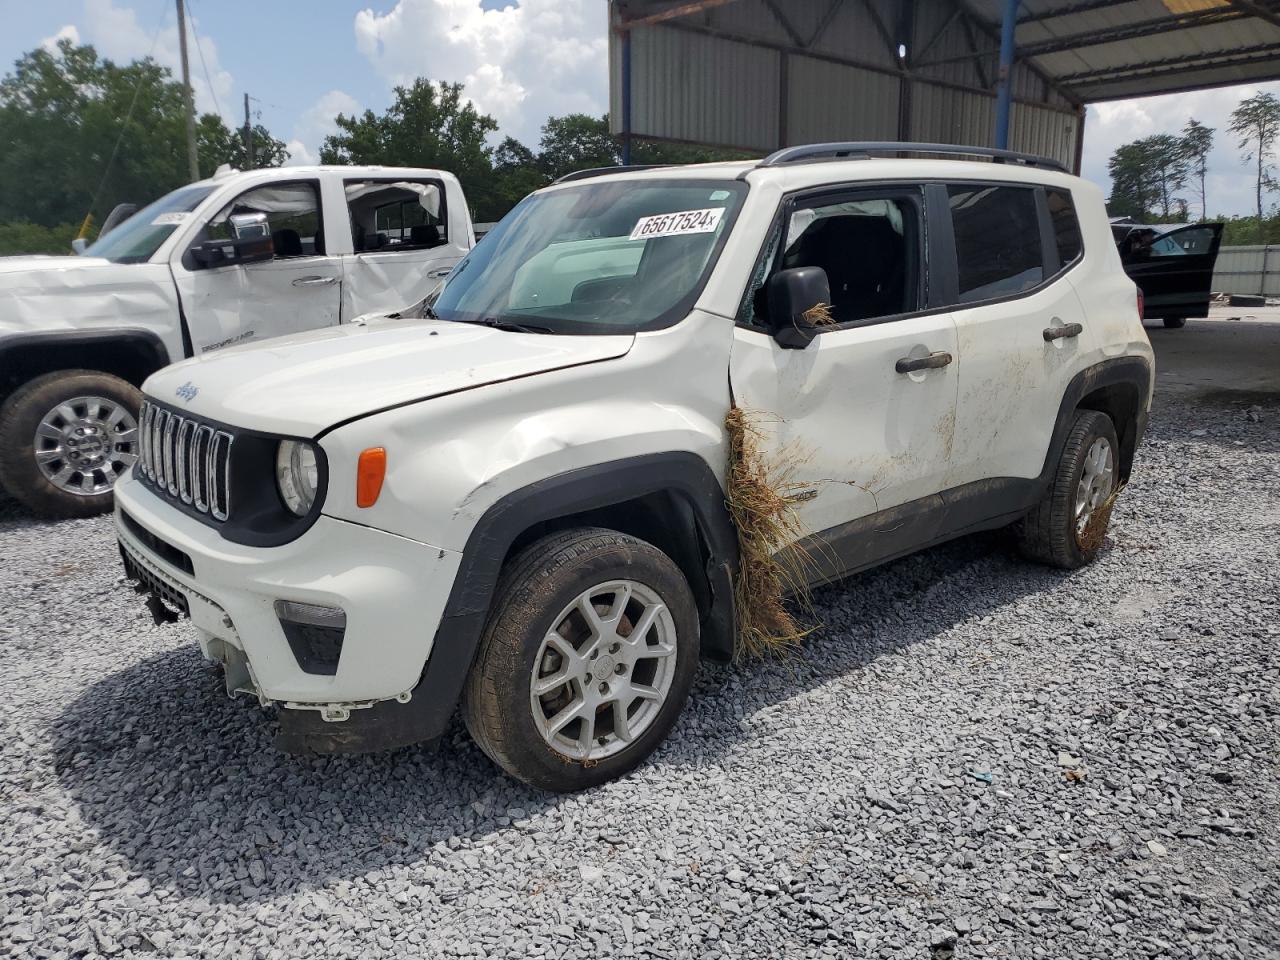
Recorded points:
612,257
139,237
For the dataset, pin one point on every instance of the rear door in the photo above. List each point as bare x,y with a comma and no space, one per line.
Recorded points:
1175,270
1022,331
401,241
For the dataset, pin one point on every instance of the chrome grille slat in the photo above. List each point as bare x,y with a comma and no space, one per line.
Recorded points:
186,460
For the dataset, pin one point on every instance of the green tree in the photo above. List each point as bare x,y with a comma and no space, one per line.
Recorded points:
1197,141
1144,176
516,173
1256,121
218,145
428,125
577,142
76,127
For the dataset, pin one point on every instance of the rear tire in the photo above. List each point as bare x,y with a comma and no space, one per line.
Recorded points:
1051,532
1175,323
586,660
63,464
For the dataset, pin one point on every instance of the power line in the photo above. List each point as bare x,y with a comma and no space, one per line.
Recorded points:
106,171
204,66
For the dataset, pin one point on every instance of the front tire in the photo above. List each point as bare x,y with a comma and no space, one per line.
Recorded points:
64,439
586,660
1058,529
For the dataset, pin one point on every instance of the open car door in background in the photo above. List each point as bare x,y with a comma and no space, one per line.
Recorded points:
1173,265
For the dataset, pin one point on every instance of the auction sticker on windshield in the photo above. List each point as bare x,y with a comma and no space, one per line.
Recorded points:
677,224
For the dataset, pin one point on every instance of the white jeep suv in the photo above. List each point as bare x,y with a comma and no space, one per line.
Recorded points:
512,495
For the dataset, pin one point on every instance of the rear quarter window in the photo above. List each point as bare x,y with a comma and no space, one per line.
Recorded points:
1066,227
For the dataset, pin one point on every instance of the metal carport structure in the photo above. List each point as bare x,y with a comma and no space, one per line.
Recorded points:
761,74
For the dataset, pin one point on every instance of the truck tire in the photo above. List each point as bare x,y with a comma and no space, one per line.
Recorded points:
64,439
586,660
1083,483
1175,323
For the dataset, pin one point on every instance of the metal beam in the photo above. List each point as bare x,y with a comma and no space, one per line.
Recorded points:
1086,6
1187,61
673,13
786,24
1094,38
938,34
1026,64
1269,57
885,35
1006,73
1261,11
825,22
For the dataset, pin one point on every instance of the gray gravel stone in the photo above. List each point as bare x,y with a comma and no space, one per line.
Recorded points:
826,806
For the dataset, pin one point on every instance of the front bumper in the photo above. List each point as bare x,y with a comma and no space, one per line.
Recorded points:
392,589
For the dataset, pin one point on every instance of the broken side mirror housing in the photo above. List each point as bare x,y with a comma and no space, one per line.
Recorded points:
792,293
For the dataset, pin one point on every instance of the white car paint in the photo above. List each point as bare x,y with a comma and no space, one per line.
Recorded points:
227,305
469,415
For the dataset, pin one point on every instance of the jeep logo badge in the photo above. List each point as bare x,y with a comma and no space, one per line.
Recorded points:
188,391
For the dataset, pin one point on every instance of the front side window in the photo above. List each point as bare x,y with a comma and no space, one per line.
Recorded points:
292,213
613,257
396,215
138,238
1184,243
997,232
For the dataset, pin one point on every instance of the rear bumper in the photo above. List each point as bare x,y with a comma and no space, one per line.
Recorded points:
392,590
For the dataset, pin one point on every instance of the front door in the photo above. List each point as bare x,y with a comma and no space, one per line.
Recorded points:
858,427
1174,271
299,289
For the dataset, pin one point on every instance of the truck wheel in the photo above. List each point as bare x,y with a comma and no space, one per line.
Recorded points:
586,659
1175,323
1053,531
64,439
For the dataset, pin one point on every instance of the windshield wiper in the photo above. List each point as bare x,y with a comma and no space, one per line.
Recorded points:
510,325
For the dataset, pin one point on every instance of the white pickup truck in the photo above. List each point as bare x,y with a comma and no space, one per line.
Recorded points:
237,258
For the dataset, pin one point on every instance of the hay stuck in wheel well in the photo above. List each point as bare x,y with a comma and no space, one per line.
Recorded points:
761,499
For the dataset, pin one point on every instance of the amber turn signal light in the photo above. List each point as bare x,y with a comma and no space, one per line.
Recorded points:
369,473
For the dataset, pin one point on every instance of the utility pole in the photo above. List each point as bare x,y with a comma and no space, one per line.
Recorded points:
193,164
248,136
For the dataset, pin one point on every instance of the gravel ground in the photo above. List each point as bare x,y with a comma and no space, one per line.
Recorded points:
974,758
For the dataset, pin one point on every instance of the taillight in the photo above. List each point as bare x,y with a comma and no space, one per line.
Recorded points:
1142,306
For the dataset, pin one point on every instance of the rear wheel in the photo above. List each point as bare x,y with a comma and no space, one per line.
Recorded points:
586,660
1175,323
1066,528
65,438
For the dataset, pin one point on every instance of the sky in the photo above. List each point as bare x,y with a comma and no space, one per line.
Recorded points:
520,60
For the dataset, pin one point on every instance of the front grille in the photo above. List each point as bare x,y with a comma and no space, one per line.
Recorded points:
186,459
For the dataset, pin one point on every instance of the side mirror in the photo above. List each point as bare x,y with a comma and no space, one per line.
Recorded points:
79,245
221,253
792,295
247,225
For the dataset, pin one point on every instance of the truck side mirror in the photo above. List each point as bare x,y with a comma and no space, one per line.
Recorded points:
222,253
792,296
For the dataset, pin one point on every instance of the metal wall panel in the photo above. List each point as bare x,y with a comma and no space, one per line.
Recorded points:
1253,270
827,101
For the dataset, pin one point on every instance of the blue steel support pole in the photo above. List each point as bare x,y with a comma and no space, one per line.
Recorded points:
626,97
1006,73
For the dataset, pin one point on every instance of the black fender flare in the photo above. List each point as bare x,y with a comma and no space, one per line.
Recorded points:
683,475
146,342
1130,371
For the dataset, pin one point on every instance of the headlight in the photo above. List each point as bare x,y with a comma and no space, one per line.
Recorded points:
297,475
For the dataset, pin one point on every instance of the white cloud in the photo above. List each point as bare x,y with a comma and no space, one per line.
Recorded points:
117,34
521,64
316,123
1229,184
69,32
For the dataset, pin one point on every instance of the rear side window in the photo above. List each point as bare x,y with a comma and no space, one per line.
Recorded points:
997,231
1066,228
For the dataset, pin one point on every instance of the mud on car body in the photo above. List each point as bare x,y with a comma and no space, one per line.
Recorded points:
511,497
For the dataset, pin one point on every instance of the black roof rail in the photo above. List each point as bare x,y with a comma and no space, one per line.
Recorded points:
863,149
603,171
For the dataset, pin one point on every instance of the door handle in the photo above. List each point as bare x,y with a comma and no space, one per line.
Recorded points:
314,281
933,361
1063,332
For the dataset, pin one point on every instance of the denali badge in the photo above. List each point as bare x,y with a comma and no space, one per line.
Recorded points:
188,391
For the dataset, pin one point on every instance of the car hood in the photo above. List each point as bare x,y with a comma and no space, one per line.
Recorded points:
302,385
